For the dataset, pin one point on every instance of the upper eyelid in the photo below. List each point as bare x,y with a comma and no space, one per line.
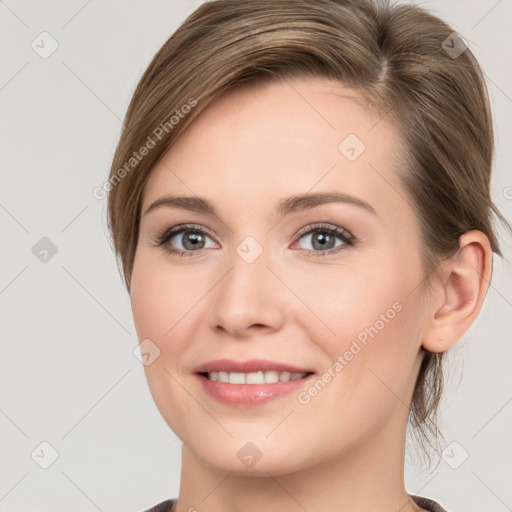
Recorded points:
323,225
191,227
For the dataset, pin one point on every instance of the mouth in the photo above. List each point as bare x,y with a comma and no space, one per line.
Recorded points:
250,383
258,377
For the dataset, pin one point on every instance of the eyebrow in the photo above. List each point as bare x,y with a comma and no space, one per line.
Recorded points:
286,206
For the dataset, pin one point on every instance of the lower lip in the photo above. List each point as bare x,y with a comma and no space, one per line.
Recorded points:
250,395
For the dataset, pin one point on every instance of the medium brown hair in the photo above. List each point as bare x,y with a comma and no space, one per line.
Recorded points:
395,56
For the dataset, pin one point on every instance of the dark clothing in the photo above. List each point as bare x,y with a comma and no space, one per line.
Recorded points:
426,503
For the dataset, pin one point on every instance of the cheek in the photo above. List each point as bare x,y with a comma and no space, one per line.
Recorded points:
161,297
352,301
368,379
367,325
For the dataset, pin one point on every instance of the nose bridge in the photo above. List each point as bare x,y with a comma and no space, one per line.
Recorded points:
247,293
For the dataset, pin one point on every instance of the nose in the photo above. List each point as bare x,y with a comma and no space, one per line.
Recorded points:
249,299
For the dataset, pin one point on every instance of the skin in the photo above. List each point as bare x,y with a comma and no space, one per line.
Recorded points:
344,450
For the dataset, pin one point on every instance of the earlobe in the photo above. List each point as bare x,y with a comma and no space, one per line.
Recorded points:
465,282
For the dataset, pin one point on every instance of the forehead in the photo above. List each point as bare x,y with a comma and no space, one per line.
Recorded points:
263,141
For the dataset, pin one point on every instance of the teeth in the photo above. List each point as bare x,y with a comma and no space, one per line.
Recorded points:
268,377
236,378
254,378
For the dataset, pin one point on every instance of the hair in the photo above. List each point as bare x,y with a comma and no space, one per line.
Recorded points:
394,55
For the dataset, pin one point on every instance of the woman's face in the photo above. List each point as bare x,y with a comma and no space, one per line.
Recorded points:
325,286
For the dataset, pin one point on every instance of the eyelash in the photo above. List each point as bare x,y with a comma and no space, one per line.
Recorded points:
345,236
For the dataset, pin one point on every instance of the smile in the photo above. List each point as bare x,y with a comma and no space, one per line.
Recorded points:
258,377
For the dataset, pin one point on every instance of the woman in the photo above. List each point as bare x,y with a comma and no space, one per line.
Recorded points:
299,202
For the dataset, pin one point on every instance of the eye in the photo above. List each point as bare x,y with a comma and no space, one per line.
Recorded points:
325,239
184,240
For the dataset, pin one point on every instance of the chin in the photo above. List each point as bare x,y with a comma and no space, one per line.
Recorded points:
251,459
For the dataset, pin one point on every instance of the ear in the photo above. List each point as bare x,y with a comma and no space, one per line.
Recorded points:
460,295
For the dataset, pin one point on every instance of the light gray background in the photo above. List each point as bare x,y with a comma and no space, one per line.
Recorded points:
68,373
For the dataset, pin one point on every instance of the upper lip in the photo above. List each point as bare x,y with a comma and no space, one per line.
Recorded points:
250,365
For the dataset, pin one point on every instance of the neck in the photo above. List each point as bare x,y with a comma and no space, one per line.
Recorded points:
369,477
